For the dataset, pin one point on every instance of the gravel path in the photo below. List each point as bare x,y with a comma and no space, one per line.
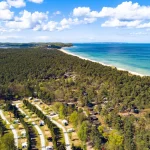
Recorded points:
11,127
43,146
41,137
66,136
67,141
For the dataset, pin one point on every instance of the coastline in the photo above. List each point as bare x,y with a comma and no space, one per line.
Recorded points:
120,69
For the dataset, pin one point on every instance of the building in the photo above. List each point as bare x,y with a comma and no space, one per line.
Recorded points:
49,148
27,117
65,122
30,98
42,123
24,145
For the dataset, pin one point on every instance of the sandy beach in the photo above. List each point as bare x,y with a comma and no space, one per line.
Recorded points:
121,69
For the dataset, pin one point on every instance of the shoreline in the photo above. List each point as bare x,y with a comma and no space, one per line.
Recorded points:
120,69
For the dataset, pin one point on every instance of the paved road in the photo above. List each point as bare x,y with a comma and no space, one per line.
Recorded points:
43,146
66,136
41,137
17,105
11,127
3,117
39,108
67,141
15,135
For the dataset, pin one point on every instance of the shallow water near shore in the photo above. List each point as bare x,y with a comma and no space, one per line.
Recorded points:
134,58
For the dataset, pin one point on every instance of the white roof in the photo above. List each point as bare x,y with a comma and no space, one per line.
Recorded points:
49,147
33,123
65,121
24,144
16,120
23,132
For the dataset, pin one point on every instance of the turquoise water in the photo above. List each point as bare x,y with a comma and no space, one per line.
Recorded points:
131,57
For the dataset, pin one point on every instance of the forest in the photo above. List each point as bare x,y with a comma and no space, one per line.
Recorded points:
52,75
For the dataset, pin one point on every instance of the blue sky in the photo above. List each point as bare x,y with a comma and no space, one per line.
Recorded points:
75,21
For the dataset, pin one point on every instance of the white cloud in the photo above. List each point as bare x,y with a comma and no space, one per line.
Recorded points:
5,13
67,23
139,33
85,12
57,13
127,14
4,30
36,1
39,21
144,25
13,37
81,11
124,11
4,5
63,24
127,11
16,3
50,26
28,20
118,23
89,20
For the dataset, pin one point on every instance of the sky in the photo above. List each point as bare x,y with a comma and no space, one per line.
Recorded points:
75,21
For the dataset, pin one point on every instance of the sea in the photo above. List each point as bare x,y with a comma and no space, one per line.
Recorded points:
134,58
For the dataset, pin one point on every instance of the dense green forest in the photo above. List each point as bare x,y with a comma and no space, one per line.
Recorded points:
52,75
26,71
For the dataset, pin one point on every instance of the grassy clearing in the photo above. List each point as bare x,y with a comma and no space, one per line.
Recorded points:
74,139
47,134
18,127
33,118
